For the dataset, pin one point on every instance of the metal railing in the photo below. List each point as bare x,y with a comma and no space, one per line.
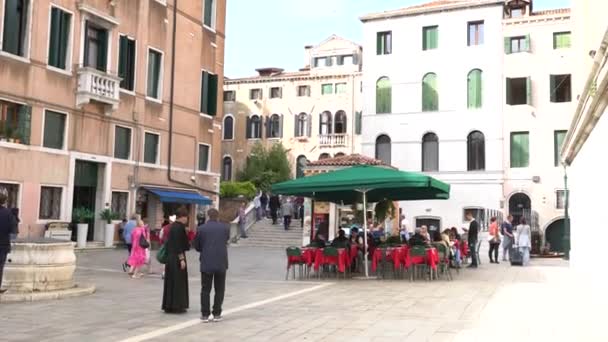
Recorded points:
235,233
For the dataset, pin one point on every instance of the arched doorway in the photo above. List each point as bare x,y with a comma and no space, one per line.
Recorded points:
554,236
520,206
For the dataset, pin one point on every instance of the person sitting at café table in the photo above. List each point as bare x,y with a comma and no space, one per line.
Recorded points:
319,241
424,231
341,241
454,234
417,239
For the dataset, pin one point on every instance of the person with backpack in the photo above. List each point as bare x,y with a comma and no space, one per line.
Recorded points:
506,229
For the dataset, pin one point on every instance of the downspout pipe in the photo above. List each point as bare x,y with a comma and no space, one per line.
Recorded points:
171,105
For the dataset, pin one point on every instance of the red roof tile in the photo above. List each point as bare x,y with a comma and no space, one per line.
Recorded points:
350,160
552,11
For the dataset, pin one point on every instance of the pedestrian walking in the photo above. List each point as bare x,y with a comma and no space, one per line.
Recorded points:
175,289
257,206
264,203
287,212
8,227
523,240
140,238
494,240
472,239
211,242
274,204
126,235
508,238
243,220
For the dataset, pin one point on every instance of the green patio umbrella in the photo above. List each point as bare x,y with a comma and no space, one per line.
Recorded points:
366,183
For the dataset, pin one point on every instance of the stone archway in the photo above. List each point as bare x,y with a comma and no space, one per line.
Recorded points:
554,235
520,206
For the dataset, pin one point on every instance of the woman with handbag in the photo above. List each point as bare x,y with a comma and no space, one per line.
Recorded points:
494,239
141,242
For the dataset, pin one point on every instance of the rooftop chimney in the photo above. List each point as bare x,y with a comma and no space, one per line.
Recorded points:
307,56
267,72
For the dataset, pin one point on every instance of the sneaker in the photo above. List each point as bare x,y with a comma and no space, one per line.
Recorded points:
217,318
205,319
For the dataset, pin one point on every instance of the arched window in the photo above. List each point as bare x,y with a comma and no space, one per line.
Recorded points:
228,127
383,149
384,96
430,152
301,126
339,154
300,165
227,169
430,96
476,151
254,127
325,123
274,126
324,156
340,122
474,98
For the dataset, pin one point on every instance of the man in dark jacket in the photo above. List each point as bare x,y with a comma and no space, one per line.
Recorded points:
473,233
212,243
274,204
8,226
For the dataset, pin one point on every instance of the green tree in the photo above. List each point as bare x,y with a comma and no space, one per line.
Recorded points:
266,167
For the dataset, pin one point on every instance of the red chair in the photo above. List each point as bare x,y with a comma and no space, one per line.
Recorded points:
331,257
294,258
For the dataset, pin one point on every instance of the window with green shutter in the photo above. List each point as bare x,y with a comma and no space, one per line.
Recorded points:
151,148
327,89
59,39
430,37
358,122
155,59
561,88
208,93
126,63
520,149
474,81
384,43
203,157
16,27
430,96
558,142
209,13
561,40
95,47
519,91
54,130
341,88
122,142
384,96
517,44
15,122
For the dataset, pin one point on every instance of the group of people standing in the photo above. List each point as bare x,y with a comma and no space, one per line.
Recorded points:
510,237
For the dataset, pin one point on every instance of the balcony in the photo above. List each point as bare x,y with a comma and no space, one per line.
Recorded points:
333,140
99,86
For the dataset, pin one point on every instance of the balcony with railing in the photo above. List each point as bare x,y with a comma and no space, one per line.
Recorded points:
333,140
99,86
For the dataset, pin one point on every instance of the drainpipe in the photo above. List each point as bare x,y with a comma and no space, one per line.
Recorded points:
171,105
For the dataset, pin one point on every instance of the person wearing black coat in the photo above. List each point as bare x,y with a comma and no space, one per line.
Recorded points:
472,239
274,204
8,227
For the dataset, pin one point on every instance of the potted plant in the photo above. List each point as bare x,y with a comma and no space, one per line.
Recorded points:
8,133
81,216
2,131
108,216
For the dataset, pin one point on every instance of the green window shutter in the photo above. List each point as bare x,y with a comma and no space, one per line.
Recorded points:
379,44
520,149
15,26
204,90
208,19
154,65
529,90
24,126
358,122
527,44
475,89
558,142
212,94
508,90
507,45
54,129
434,37
525,144
150,148
566,39
430,97
552,89
203,157
102,54
383,96
122,142
64,34
54,39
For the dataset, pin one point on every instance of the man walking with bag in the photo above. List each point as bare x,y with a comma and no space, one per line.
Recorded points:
212,243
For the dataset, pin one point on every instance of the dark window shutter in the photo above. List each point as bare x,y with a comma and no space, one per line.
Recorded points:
102,57
267,128
309,125
24,125
248,128
507,45
54,37
204,98
529,91
85,58
212,94
552,89
321,123
296,124
123,61
358,122
54,128
280,125
508,89
64,34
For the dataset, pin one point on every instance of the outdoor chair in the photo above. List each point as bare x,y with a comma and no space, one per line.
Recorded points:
444,260
295,258
417,267
330,259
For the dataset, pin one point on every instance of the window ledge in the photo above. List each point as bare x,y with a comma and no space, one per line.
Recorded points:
60,71
227,139
62,151
14,145
128,92
207,116
155,165
209,28
153,100
274,138
15,57
207,173
254,139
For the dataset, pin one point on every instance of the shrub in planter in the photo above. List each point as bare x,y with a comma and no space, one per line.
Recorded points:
237,189
108,215
82,215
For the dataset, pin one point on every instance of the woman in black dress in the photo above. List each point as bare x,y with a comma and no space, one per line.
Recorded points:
175,293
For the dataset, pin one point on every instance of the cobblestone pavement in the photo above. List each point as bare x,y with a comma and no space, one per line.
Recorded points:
497,302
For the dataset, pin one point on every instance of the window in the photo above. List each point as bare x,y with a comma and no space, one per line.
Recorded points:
151,142
474,84
59,38
120,203
430,37
229,96
430,97
325,123
329,61
274,123
95,47
203,157
303,90
561,88
300,165
276,93
479,214
50,203
383,149
475,36
155,59
517,44
15,122
126,63
302,126
560,199
340,122
430,152
324,156
476,151
518,12
561,40
346,60
558,142
228,128
16,27
227,169
255,94
519,91
327,89
340,88
384,97
54,130
520,149
122,142
339,154
12,191
358,122
209,13
384,44
319,61
209,93
254,127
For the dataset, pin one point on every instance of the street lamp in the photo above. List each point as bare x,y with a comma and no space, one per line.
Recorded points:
566,238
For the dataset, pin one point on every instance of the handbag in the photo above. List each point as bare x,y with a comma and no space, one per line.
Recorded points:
143,242
162,256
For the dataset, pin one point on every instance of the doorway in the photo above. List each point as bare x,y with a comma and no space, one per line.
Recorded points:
85,191
433,224
520,206
554,236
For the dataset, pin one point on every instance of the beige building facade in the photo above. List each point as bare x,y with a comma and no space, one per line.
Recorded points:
314,112
88,114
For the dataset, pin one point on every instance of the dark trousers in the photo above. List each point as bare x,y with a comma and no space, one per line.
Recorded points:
494,247
473,251
3,254
286,221
129,246
273,214
218,279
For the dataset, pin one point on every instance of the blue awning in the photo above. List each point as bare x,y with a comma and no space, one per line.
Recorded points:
177,196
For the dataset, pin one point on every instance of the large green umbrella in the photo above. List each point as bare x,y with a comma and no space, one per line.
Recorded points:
369,183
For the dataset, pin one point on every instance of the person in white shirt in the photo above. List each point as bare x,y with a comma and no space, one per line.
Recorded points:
405,235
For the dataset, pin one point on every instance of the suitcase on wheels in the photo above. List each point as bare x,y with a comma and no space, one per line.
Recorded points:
516,256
